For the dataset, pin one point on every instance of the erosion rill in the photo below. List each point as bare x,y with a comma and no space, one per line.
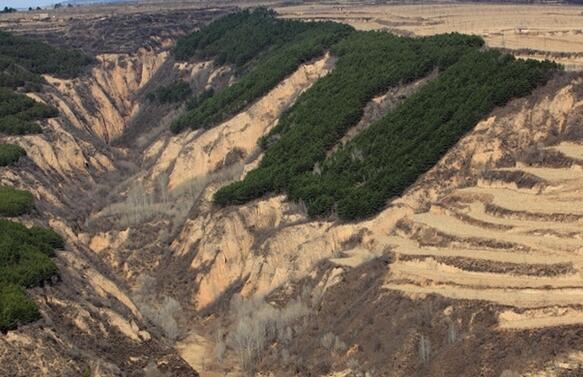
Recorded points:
290,199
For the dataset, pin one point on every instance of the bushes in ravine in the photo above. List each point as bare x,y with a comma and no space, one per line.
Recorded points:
258,325
10,153
176,92
15,202
24,262
265,49
383,160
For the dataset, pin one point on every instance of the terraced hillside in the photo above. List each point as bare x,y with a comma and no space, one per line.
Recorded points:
513,239
483,253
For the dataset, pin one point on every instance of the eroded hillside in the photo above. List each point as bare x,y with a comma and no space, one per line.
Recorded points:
474,270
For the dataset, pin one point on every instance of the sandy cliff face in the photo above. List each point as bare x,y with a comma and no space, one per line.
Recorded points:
196,154
92,315
90,324
103,103
467,252
67,160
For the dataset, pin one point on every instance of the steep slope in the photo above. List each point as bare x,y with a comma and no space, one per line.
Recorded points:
484,257
90,324
519,216
270,247
70,163
499,268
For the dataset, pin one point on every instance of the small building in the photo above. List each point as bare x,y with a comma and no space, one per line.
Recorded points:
41,17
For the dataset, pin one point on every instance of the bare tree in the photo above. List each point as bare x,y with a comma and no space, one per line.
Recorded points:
259,324
424,349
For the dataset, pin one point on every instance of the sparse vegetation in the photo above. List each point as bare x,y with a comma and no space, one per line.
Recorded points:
161,310
142,205
259,324
24,262
333,343
265,49
163,314
10,153
172,93
15,202
327,340
220,346
424,349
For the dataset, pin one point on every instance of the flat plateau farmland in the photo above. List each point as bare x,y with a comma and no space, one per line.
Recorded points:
536,31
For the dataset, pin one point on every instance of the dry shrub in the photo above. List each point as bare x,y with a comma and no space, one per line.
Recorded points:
151,370
452,333
333,343
327,340
220,346
424,349
160,310
509,373
139,206
191,188
144,205
195,186
258,325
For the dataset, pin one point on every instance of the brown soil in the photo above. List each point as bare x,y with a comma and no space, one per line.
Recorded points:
382,331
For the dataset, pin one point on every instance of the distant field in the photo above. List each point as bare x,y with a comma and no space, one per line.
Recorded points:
552,31
555,31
